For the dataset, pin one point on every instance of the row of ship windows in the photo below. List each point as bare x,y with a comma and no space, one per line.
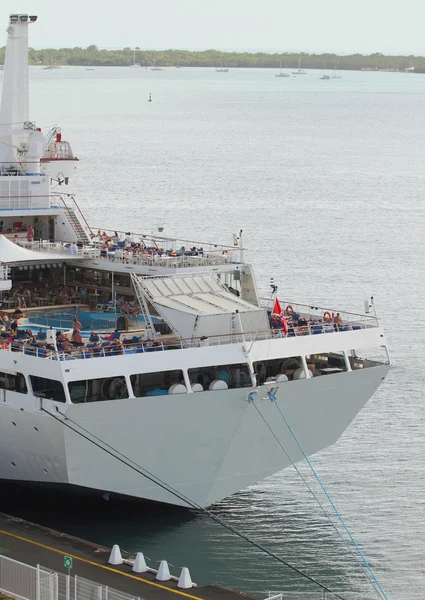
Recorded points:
173,382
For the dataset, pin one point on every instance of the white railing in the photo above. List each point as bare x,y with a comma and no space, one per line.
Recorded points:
319,314
25,582
164,344
18,579
126,257
4,273
317,595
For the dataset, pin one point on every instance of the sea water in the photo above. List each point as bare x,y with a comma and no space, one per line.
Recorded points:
326,180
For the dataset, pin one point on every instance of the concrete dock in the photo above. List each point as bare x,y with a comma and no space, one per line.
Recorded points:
33,544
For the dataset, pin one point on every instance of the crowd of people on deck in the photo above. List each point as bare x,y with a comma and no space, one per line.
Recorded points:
49,294
120,249
297,324
48,342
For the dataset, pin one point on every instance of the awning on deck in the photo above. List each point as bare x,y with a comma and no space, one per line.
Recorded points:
12,254
200,305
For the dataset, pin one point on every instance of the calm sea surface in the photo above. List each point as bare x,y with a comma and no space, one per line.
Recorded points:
327,181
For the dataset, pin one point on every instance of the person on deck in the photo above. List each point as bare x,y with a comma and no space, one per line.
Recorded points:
14,327
77,340
30,234
337,321
5,322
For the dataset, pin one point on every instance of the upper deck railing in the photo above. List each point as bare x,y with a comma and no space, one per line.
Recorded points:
151,257
167,343
318,314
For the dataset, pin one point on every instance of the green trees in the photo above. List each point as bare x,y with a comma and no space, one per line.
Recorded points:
94,56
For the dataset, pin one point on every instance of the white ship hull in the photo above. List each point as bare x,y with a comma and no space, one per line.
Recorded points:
207,446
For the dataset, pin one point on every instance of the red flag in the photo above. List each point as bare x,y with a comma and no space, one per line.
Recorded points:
277,310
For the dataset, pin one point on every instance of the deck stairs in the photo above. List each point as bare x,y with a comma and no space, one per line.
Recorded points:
81,235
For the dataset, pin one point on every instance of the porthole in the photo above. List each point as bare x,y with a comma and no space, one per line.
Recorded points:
36,428
13,423
46,471
13,464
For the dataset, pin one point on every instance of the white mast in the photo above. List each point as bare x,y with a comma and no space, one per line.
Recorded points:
14,110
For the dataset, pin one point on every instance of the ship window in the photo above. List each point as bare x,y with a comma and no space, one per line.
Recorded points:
270,369
13,383
156,384
326,363
363,358
234,376
47,388
98,390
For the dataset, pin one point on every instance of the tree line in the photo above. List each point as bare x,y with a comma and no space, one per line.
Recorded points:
93,56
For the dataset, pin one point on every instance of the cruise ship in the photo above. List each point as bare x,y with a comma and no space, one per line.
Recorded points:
187,364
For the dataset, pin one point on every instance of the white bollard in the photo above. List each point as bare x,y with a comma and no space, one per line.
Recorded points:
163,571
185,580
115,557
140,563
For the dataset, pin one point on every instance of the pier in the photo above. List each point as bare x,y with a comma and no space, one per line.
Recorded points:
35,545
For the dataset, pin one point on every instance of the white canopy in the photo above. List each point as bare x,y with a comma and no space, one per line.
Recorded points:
200,305
12,254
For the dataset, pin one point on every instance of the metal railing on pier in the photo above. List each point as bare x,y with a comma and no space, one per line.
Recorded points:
25,582
317,595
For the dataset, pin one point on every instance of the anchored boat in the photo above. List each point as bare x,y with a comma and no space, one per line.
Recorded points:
191,351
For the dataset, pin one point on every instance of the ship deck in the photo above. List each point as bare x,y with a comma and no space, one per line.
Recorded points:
33,544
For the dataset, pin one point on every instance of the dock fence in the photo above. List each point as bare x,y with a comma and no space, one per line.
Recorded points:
24,582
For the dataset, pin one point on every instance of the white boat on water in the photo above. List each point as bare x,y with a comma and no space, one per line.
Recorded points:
180,398
299,71
282,73
134,64
155,68
222,69
324,75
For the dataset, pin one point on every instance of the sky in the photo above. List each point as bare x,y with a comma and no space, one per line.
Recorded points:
343,27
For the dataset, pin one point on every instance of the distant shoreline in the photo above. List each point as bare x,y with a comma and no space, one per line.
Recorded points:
94,57
230,67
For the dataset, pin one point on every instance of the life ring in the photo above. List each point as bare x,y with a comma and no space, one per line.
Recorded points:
327,316
289,310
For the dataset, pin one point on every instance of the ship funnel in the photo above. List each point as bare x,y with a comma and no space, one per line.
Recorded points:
14,100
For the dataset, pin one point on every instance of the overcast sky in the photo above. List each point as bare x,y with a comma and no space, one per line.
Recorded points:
340,26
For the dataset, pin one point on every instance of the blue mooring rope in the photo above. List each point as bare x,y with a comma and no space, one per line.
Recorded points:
369,568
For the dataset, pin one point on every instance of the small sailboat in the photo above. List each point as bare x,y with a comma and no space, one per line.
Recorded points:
336,75
324,75
154,67
281,73
135,65
299,71
222,69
